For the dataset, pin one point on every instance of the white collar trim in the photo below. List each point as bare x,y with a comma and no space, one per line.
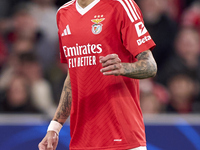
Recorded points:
82,11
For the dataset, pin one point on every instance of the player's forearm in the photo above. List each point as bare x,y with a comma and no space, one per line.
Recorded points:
145,67
64,107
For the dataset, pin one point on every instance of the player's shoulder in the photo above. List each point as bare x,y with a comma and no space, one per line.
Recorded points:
120,3
127,7
123,5
66,5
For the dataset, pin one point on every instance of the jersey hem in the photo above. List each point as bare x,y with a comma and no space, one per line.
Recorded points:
119,147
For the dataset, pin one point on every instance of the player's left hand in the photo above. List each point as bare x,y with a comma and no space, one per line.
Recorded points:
111,65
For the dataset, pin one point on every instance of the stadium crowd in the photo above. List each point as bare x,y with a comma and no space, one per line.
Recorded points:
31,75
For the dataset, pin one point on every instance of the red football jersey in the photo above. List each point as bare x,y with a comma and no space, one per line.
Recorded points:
105,111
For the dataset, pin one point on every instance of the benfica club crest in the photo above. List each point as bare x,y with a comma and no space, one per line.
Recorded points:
97,26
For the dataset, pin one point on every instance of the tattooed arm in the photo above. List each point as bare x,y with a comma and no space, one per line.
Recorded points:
50,141
64,107
145,67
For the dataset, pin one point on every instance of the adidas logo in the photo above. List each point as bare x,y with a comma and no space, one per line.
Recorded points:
66,31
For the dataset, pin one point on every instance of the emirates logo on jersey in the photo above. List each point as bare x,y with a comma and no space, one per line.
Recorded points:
97,26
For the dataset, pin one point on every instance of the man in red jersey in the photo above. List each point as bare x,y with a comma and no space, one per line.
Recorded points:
107,49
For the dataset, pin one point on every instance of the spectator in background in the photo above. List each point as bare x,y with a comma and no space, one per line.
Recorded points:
161,27
150,104
40,88
23,41
12,66
24,25
175,8
10,69
191,17
186,61
182,90
44,12
187,58
21,27
26,64
17,97
154,97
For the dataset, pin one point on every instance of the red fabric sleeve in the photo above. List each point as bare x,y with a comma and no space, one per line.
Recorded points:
62,55
135,36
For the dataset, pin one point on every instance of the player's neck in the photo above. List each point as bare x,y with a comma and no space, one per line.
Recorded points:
84,3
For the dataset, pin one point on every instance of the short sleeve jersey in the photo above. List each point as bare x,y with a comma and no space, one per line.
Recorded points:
105,111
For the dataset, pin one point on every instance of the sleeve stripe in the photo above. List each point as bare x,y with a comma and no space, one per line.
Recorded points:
66,4
131,9
134,8
127,10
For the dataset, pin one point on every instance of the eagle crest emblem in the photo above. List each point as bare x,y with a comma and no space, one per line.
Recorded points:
97,26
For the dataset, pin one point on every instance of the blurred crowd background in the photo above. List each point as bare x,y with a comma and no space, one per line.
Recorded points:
31,75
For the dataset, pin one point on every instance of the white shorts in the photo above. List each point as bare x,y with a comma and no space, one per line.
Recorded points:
139,148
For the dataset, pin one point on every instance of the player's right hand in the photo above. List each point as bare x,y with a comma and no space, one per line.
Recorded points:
49,142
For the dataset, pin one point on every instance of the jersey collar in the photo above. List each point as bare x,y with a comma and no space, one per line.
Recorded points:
82,11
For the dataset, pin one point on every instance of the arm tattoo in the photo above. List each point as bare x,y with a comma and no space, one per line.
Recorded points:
64,107
145,67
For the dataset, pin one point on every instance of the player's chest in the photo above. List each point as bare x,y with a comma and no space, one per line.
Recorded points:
92,25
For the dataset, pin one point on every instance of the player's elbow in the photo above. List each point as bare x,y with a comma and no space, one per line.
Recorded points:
153,70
